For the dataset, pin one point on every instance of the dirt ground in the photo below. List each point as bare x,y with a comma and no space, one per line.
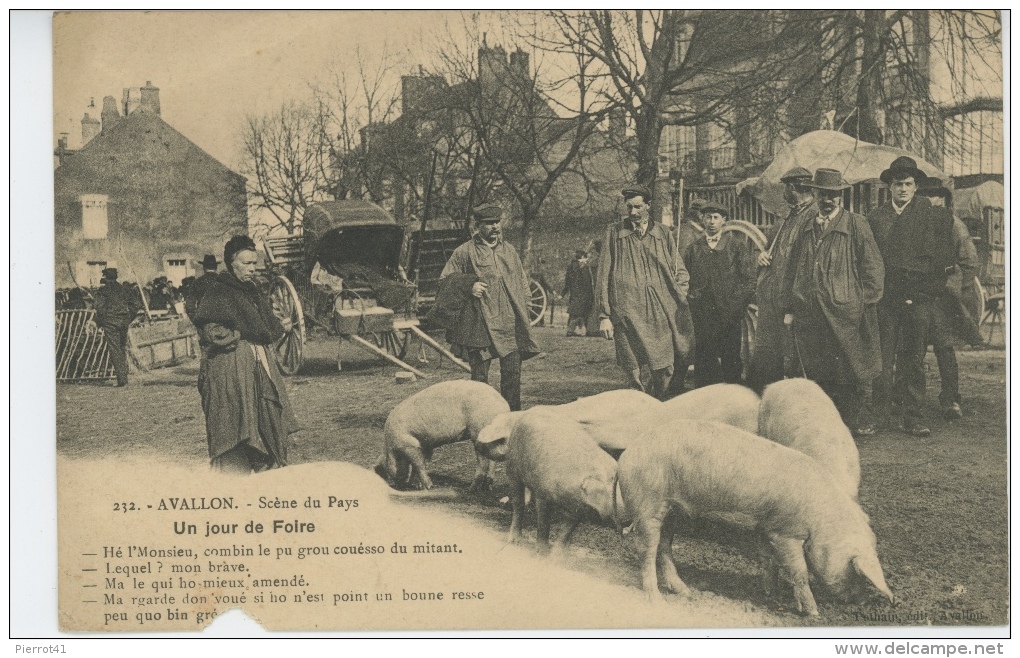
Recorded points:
938,506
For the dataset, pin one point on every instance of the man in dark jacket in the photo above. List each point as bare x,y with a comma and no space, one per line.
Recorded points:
579,286
722,283
831,287
501,292
916,241
200,285
116,307
771,339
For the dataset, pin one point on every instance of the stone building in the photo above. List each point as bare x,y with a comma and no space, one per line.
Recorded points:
140,196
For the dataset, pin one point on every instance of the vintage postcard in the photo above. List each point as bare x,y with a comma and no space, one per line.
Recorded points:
559,320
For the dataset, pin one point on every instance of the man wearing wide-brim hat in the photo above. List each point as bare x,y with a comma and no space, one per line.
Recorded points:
916,241
772,345
830,291
194,293
496,290
641,296
116,307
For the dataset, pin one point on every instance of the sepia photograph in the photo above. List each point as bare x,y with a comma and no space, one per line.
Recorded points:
572,321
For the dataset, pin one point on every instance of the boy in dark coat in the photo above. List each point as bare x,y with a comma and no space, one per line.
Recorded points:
722,284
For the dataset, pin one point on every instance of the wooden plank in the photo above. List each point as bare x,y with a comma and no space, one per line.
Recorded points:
386,355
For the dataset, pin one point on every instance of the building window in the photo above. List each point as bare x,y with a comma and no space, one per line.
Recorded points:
974,143
94,221
177,262
92,272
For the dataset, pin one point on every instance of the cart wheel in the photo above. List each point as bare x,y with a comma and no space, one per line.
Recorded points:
748,330
749,230
539,302
287,307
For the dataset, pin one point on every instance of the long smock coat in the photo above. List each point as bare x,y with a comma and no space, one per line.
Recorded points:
831,287
642,288
579,287
783,236
504,305
243,393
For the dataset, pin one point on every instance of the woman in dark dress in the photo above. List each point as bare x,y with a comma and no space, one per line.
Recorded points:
248,416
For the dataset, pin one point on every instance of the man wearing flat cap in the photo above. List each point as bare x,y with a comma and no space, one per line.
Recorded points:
722,271
916,241
641,295
831,287
500,294
116,307
772,344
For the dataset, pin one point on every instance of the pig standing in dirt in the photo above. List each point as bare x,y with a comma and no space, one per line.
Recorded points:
797,413
563,467
732,404
443,413
604,416
698,467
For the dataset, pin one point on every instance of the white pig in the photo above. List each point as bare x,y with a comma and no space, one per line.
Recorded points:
563,467
443,413
732,404
693,468
797,413
605,416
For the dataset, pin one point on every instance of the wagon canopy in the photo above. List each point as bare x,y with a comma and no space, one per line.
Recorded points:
970,203
352,233
858,161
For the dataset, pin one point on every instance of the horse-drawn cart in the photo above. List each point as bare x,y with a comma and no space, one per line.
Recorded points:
343,274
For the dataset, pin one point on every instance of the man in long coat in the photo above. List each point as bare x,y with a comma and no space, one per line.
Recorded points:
771,339
917,243
501,292
830,291
199,286
116,307
578,285
641,295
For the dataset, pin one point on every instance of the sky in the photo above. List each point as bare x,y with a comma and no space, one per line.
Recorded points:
213,68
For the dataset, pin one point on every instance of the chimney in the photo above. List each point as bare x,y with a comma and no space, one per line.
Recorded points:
491,65
110,114
149,100
90,127
519,63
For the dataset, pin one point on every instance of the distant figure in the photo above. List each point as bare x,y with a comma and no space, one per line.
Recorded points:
722,285
116,307
591,323
198,288
500,293
582,293
161,294
642,296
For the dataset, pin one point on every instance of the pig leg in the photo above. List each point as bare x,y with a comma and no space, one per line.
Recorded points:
790,553
517,503
417,458
561,543
543,513
771,577
664,558
650,528
484,474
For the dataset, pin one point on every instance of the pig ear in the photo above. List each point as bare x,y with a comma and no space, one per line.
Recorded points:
871,570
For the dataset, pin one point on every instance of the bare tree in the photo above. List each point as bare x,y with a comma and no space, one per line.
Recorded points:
286,161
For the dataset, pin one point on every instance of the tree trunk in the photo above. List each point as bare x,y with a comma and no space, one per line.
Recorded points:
649,131
869,90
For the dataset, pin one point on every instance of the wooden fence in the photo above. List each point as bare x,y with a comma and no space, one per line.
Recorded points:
81,348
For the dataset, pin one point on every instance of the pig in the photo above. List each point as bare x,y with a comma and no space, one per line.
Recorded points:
443,413
562,466
605,416
732,404
798,414
688,468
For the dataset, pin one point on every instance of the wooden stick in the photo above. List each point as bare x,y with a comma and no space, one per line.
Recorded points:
439,348
386,355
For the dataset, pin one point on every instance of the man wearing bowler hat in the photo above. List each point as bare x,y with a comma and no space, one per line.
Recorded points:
771,339
116,307
641,295
501,293
198,287
916,240
830,290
